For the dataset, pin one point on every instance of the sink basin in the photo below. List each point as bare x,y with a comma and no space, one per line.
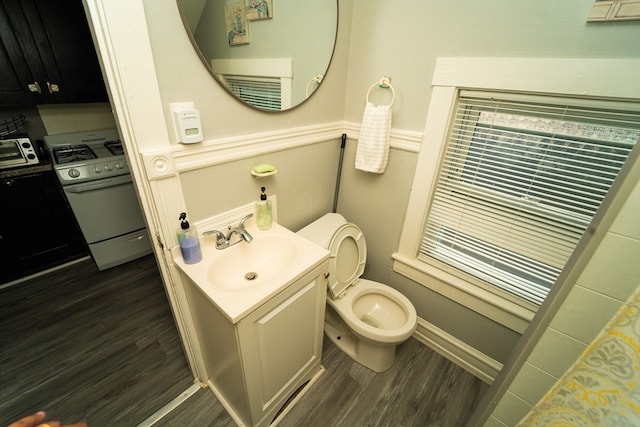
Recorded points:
252,264
240,278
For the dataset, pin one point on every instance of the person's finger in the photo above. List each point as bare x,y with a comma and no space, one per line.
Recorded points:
77,425
50,424
30,420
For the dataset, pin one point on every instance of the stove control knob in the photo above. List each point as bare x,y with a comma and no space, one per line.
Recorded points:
119,165
97,169
108,167
74,173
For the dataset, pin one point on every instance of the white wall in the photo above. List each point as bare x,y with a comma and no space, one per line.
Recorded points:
403,38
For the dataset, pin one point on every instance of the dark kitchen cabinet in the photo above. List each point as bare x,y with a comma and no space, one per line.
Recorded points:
37,227
47,54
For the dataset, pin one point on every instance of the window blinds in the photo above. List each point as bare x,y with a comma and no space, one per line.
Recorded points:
519,183
263,93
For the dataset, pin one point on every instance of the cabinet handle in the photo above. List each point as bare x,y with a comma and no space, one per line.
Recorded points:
34,87
53,88
9,182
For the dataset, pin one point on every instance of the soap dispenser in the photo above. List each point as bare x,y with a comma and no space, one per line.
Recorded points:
263,211
188,240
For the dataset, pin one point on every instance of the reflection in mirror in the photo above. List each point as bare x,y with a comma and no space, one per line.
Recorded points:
270,54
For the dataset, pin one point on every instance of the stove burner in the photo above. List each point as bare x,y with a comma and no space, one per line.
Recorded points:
114,147
73,153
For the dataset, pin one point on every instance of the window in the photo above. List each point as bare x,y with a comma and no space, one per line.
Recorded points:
519,182
266,83
517,155
263,93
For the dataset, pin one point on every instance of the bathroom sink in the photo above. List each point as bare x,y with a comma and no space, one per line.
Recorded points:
252,264
240,278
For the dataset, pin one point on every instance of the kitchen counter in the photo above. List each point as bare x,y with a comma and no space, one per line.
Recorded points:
43,166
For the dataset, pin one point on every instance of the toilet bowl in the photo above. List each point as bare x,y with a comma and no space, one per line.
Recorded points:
365,319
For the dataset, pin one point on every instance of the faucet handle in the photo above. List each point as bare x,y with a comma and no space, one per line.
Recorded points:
221,240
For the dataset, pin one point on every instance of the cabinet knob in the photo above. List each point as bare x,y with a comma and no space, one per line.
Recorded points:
8,183
34,87
53,88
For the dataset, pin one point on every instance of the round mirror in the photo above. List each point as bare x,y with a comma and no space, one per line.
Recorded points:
269,54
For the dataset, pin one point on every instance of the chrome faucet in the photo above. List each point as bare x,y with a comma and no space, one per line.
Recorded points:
223,242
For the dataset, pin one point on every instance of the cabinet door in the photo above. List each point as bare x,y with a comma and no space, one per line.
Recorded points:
47,54
281,344
17,81
61,33
38,229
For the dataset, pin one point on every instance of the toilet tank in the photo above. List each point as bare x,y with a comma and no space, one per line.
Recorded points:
321,231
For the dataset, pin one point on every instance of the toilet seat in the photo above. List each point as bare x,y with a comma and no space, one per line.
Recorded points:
393,335
347,258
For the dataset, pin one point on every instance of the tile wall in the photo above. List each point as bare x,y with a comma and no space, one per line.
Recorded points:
611,276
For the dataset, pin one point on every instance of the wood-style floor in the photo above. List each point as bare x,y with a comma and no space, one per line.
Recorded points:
103,347
88,345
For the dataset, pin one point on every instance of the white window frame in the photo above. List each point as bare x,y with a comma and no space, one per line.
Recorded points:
610,78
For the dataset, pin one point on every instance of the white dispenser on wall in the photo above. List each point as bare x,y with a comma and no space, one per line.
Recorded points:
186,119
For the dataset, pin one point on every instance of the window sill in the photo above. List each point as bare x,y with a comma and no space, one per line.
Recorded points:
489,304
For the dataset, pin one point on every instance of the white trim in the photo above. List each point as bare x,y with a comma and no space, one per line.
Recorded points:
484,302
611,77
458,352
166,409
122,38
221,150
405,140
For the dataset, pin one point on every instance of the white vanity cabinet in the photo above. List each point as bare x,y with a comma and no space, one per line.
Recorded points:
256,364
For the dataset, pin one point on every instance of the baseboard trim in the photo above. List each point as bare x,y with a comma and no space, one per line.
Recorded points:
43,272
166,409
458,352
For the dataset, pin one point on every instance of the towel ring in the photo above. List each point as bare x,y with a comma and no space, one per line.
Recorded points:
383,83
317,79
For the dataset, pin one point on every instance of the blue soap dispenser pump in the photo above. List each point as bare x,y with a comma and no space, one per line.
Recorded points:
188,240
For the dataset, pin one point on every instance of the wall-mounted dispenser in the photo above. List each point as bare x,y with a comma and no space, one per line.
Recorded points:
186,120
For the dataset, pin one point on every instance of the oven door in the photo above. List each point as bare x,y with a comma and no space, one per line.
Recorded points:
106,208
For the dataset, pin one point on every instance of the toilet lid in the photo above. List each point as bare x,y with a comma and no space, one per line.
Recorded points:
347,257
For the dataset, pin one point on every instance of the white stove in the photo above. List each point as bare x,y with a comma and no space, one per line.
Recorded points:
95,177
87,156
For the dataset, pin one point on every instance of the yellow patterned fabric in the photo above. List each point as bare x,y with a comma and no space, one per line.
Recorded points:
603,387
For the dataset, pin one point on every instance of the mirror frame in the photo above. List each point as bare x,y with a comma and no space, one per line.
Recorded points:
209,68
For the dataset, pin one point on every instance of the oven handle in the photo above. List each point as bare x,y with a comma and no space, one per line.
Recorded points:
97,185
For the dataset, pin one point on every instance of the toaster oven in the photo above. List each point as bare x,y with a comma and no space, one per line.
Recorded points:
17,152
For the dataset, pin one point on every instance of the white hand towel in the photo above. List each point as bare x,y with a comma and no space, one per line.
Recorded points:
372,153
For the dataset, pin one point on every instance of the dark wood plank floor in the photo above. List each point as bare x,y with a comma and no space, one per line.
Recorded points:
103,347
88,345
421,389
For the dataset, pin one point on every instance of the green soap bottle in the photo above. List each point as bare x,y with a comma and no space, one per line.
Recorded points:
263,211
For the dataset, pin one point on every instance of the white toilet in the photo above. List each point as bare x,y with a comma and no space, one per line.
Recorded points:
365,319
